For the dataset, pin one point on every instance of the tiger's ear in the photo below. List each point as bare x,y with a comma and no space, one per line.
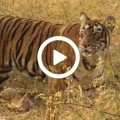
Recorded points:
110,22
84,18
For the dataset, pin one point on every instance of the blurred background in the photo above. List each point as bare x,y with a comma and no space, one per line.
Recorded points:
25,99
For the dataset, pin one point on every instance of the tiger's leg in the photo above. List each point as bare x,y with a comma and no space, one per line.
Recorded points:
4,75
54,86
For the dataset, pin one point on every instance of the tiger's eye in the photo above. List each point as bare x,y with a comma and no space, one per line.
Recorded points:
97,28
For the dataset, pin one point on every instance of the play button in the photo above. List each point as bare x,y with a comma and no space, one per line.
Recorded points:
58,57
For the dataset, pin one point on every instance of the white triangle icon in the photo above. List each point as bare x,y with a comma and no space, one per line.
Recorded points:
58,57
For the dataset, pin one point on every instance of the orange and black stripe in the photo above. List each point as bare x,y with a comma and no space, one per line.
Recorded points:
20,40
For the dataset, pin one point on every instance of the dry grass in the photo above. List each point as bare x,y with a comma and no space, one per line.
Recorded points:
102,103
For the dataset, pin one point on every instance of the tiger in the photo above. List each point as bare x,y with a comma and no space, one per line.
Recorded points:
20,39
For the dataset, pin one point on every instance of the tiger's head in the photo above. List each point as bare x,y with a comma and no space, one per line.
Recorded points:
95,35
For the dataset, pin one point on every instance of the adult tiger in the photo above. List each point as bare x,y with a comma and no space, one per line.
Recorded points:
21,38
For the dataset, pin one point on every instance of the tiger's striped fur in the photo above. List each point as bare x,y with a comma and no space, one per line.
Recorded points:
21,38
